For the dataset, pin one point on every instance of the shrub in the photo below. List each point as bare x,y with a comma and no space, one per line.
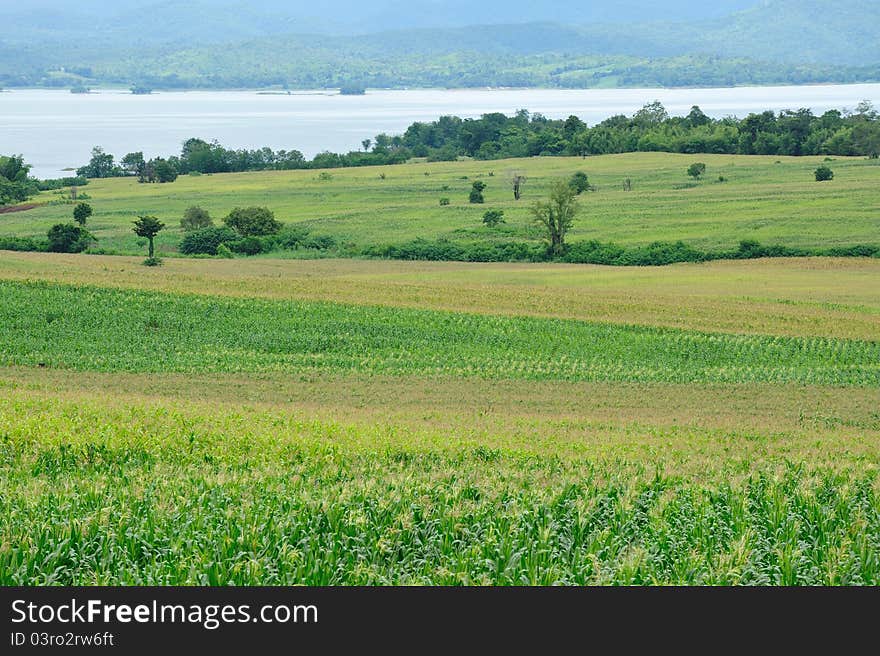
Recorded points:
153,261
696,170
579,182
253,221
824,173
206,241
320,242
292,237
493,217
444,201
476,195
224,252
195,218
68,238
248,246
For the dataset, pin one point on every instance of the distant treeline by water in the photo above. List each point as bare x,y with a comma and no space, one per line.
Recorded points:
498,136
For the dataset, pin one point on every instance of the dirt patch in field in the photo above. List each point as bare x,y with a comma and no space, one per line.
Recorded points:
18,208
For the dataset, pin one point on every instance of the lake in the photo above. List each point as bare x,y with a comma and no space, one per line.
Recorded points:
55,129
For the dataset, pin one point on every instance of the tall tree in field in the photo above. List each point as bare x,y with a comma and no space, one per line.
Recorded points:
557,214
148,227
81,213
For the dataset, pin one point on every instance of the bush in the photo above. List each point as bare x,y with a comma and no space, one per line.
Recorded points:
253,221
476,195
248,246
320,242
444,201
696,170
153,261
579,182
195,218
224,252
68,238
206,241
824,173
493,217
292,237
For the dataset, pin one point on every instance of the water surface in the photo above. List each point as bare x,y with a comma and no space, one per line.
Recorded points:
55,129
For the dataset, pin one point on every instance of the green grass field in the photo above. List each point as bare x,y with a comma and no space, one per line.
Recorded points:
263,421
774,200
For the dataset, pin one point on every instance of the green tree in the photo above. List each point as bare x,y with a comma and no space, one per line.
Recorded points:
134,164
195,218
493,217
253,221
148,227
557,214
81,213
696,169
101,165
476,195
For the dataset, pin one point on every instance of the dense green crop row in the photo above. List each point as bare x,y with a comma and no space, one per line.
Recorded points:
115,330
94,514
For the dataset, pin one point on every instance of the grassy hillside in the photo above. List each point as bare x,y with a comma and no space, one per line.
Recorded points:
770,199
238,424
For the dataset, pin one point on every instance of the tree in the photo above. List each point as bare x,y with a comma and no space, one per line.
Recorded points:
134,164
653,113
159,170
696,169
253,221
476,195
493,217
366,143
517,180
101,165
557,214
824,173
579,182
68,238
81,213
148,227
866,138
195,218
696,117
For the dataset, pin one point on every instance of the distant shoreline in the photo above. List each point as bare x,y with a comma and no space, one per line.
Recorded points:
270,91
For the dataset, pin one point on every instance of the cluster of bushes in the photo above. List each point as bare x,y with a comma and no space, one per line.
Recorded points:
445,250
23,244
247,231
61,183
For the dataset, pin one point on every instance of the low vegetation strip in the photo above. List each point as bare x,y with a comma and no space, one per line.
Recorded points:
89,328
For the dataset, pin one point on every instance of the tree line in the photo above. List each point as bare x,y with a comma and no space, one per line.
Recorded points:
497,136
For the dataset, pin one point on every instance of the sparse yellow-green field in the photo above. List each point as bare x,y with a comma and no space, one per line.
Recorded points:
828,297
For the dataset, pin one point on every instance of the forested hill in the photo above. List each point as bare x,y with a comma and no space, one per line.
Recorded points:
220,43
